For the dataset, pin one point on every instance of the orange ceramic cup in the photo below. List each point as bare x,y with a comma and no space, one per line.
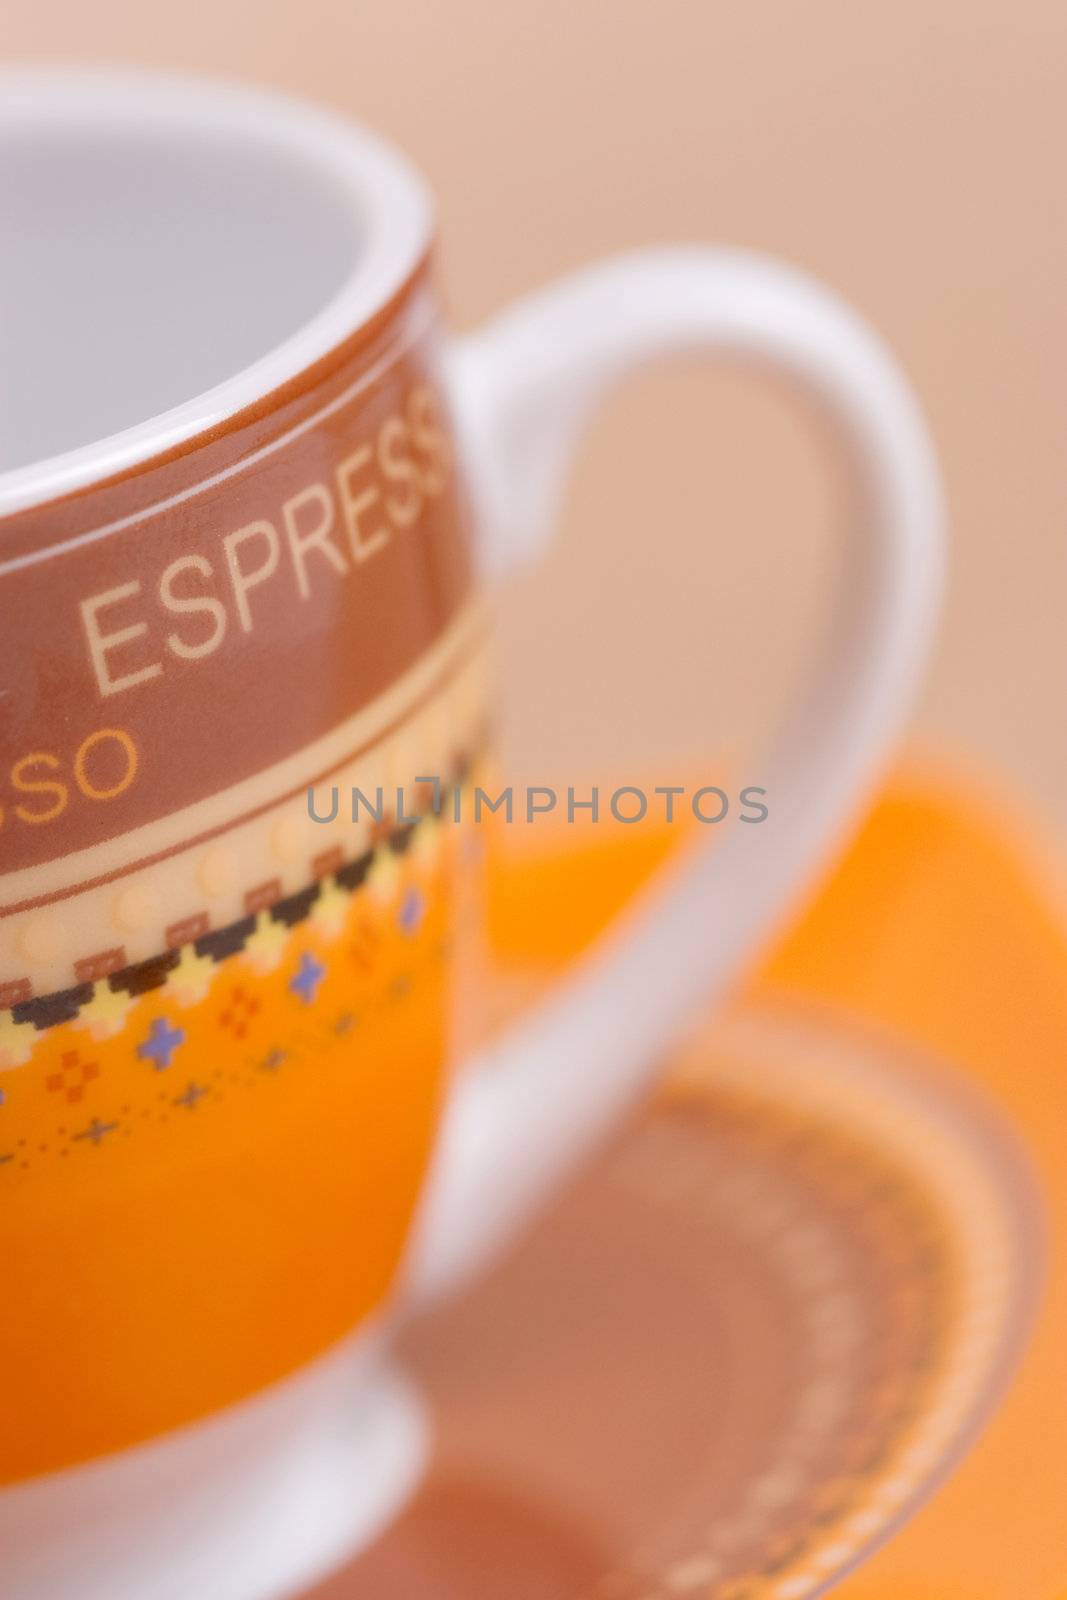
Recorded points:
249,494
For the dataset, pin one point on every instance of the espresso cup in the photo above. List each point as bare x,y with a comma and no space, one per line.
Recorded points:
253,495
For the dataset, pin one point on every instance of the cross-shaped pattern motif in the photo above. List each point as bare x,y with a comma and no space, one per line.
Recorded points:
362,947
411,913
191,1096
72,1077
243,1007
162,1042
96,1131
308,976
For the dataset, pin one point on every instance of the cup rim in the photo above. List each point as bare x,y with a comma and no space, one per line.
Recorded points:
393,201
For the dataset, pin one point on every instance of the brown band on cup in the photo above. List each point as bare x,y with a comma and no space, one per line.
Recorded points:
197,871
175,631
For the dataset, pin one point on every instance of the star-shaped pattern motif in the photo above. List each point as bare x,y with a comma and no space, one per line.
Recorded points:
16,1041
266,945
105,1014
190,981
383,875
427,845
330,910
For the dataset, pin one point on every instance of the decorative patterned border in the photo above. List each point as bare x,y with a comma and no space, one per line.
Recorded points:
193,941
951,1159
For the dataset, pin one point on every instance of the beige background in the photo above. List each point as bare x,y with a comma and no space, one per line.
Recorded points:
911,154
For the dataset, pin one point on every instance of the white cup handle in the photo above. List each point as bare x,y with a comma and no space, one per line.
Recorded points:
524,385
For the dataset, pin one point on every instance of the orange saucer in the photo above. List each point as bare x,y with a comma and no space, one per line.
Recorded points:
750,1353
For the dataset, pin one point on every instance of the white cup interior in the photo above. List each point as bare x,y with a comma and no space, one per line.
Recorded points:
136,274
163,238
